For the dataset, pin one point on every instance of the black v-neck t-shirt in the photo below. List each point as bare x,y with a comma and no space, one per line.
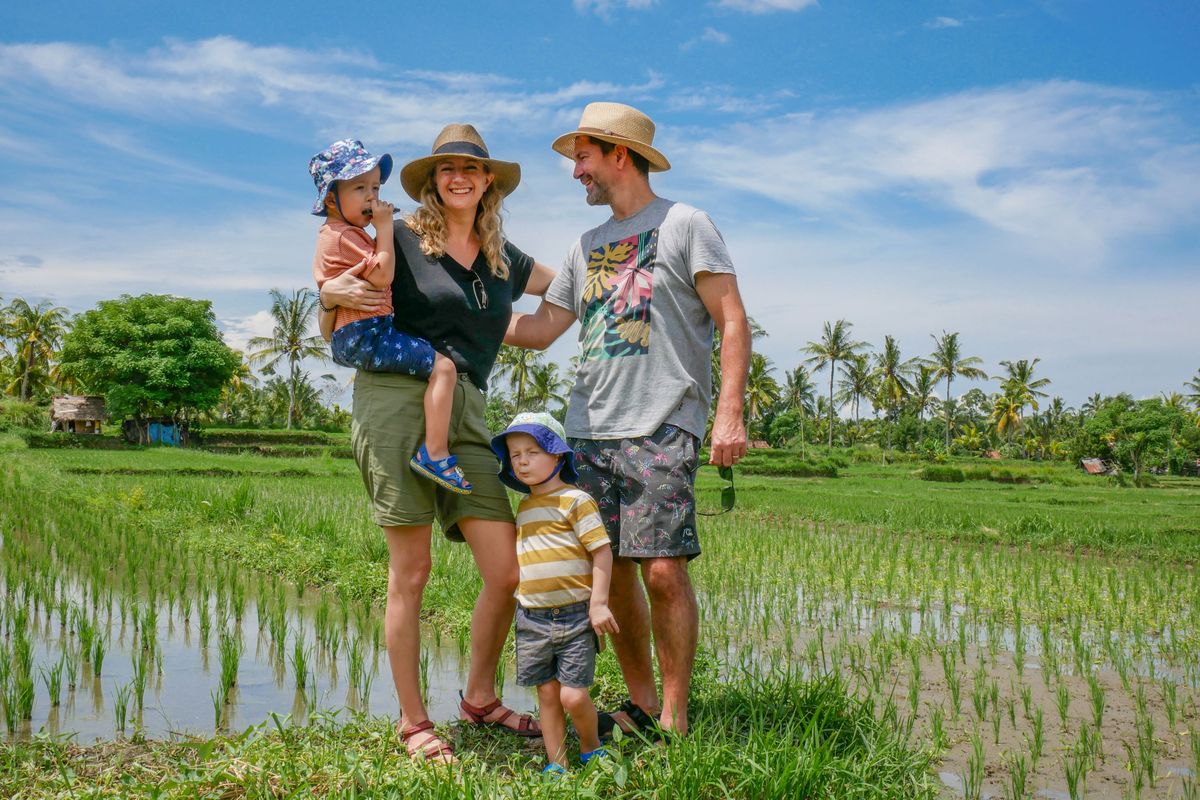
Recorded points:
435,299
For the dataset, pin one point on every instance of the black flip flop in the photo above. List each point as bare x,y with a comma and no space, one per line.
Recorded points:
644,724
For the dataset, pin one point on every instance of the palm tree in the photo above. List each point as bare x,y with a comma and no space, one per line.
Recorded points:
1020,383
1194,394
798,394
835,345
1090,407
762,391
1006,414
546,387
949,363
923,387
35,333
289,342
857,382
518,364
892,386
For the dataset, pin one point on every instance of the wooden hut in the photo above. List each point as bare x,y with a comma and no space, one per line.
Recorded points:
77,413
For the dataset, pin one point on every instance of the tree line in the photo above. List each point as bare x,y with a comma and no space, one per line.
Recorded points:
163,356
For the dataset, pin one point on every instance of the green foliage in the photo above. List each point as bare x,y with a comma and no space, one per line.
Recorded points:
20,415
1136,433
151,355
942,473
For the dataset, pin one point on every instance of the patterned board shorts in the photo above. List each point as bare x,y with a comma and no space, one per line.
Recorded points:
374,345
645,487
556,644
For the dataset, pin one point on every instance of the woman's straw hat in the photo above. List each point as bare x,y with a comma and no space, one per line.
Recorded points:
459,140
619,124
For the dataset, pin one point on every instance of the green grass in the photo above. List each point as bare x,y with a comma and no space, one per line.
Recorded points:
807,577
763,737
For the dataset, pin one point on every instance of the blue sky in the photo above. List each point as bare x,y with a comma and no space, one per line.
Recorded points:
1025,173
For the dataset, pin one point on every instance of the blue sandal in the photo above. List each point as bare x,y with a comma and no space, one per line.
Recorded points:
445,472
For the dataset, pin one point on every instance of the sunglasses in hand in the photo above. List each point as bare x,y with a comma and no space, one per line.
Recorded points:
728,493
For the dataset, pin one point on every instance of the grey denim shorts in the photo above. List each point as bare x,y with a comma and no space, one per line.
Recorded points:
556,644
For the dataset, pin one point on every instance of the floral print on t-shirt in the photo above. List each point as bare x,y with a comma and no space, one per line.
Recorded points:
617,294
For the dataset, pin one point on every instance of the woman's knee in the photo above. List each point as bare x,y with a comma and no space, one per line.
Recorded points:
409,580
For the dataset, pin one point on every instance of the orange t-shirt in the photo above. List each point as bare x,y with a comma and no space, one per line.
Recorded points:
341,246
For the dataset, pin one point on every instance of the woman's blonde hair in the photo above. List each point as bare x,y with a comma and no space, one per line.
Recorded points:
429,223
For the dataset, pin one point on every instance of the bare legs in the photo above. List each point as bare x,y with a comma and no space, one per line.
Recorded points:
493,545
673,616
439,401
553,697
408,572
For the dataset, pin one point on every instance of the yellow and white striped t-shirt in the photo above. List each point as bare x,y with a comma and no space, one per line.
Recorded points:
555,534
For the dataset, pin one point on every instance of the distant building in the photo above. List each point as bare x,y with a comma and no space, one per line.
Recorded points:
77,413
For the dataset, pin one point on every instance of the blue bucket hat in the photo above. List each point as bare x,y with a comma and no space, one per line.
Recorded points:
549,435
341,161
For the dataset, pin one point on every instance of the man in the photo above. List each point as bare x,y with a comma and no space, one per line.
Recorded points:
647,287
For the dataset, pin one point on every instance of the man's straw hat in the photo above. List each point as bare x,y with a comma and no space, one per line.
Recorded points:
459,140
619,124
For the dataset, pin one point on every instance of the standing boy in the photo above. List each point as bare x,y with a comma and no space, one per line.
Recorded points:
562,598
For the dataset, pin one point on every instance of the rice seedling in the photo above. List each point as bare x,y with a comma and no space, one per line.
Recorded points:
972,777
230,648
1096,693
220,697
1062,701
301,656
139,660
98,651
121,706
52,677
1018,776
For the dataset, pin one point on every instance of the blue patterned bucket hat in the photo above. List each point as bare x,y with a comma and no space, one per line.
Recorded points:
549,435
341,161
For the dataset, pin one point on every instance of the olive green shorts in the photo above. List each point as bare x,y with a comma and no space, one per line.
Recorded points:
389,426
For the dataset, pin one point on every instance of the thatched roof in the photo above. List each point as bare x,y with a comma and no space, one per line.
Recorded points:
72,407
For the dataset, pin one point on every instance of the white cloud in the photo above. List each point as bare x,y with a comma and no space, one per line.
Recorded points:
709,36
1068,167
944,22
766,6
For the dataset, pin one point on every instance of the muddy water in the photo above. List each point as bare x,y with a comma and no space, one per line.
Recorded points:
179,699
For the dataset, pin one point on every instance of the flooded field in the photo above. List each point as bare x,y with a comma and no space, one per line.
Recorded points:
1019,670
111,657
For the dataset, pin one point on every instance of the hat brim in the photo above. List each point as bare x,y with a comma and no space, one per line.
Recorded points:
414,174
565,146
384,162
506,475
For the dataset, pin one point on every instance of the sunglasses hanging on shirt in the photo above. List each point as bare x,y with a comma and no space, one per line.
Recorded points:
480,292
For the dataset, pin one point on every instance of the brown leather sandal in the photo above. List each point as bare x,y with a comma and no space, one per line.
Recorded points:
433,749
475,715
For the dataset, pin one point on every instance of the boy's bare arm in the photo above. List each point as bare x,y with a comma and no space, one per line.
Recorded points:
385,246
599,613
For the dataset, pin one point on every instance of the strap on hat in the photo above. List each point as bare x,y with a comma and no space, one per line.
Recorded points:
461,148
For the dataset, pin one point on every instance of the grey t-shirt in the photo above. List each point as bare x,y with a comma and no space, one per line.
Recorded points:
645,337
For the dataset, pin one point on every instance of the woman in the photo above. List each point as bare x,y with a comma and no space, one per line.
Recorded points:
456,279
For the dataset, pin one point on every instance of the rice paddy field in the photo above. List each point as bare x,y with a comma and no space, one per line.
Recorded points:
193,624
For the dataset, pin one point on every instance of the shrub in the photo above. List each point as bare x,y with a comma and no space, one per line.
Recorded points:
942,474
19,415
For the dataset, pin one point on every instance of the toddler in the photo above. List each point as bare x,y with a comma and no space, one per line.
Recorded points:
348,180
565,561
